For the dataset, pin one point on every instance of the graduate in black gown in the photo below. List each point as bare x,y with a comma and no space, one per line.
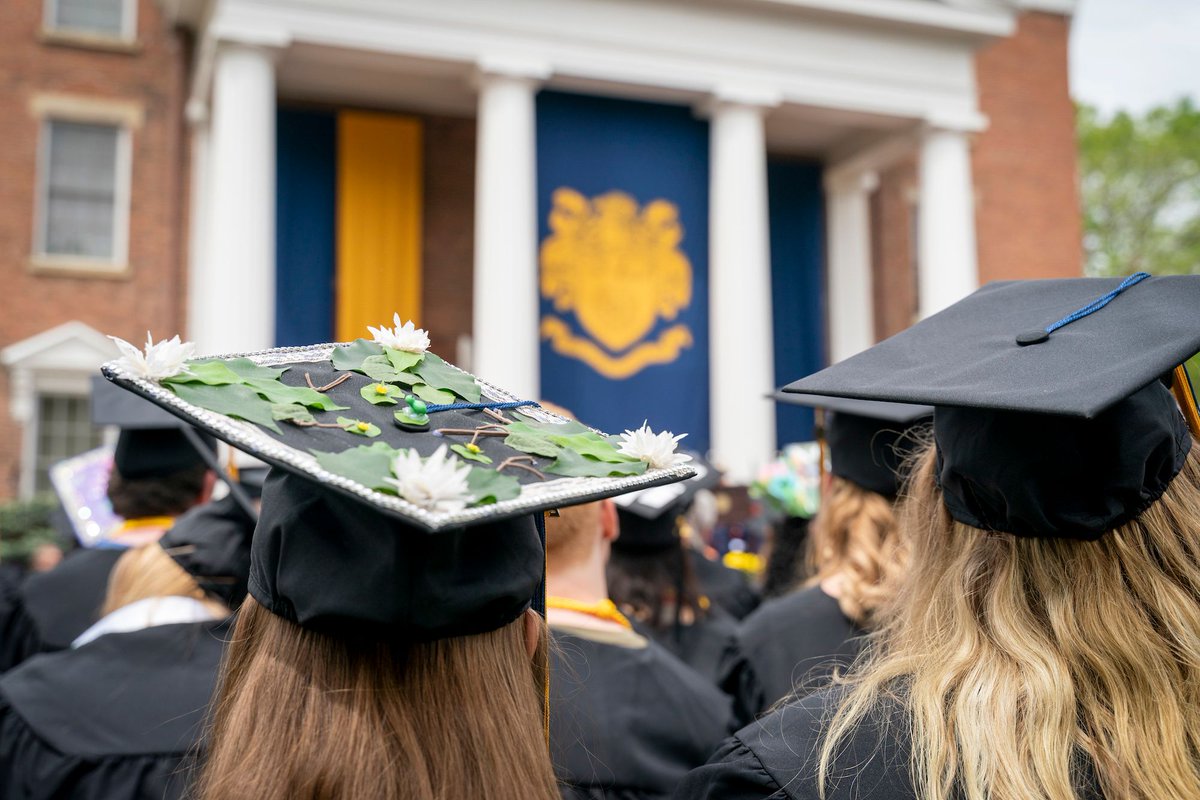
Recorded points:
1045,641
854,556
157,475
627,718
117,715
392,644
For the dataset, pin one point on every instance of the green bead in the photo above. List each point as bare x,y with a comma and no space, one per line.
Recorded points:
417,405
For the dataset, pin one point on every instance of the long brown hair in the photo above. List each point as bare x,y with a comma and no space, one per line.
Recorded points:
854,535
303,715
147,571
1015,656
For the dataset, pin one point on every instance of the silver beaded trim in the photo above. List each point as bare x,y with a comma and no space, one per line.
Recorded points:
250,438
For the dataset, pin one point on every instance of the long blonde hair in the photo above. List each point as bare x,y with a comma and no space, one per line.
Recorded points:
1019,659
854,535
302,715
147,571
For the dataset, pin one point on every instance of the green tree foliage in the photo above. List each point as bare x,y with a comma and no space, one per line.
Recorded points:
25,524
1140,178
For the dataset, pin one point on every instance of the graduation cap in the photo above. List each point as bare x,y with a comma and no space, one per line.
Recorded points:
152,442
868,440
404,492
211,542
1051,416
648,518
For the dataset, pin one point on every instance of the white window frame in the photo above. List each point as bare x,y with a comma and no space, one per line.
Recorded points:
127,35
124,116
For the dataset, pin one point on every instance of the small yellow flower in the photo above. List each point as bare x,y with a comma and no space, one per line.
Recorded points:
362,426
474,448
380,389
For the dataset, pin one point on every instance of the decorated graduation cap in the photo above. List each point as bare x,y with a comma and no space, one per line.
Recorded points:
1053,413
211,542
648,518
868,440
152,442
404,492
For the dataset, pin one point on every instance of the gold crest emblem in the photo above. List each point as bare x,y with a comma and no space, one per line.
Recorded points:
619,268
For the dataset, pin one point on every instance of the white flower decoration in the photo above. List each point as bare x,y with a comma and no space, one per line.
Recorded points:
436,483
656,449
163,360
406,337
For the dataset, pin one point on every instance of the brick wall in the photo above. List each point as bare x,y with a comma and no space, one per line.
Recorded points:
152,74
1026,189
449,226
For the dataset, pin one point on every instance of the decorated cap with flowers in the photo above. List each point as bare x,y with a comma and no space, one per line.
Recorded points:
383,429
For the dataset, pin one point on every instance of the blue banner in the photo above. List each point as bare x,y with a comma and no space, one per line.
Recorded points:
797,213
623,210
305,182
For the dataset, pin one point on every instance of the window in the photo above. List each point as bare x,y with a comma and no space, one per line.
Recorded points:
113,19
64,429
84,192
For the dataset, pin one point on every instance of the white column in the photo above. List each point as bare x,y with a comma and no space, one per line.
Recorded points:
946,256
233,307
848,279
505,344
198,229
741,351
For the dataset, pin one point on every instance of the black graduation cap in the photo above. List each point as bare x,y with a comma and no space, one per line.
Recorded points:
152,442
212,543
404,493
648,518
1051,419
868,440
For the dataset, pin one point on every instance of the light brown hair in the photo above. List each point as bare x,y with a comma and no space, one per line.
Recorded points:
571,535
147,571
303,715
854,535
1015,656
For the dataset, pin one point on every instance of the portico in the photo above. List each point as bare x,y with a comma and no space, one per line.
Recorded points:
854,87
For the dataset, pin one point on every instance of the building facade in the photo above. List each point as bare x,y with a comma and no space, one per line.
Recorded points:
616,206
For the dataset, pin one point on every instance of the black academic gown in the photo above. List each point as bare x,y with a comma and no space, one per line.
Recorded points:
725,587
114,719
707,645
777,758
790,642
50,609
627,719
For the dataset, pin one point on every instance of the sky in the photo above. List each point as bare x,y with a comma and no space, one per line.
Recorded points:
1135,54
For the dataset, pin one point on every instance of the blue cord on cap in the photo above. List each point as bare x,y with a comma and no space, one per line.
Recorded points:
1037,336
479,406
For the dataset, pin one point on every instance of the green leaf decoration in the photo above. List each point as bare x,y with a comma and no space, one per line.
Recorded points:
488,486
440,375
381,394
402,360
592,445
429,394
471,455
369,464
246,369
378,368
351,356
359,427
291,412
529,441
210,373
564,428
574,465
277,392
236,400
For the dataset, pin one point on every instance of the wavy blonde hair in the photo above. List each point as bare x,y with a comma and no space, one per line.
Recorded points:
147,571
1018,660
854,535
303,715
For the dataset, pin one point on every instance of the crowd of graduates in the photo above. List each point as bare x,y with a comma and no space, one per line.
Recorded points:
999,597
